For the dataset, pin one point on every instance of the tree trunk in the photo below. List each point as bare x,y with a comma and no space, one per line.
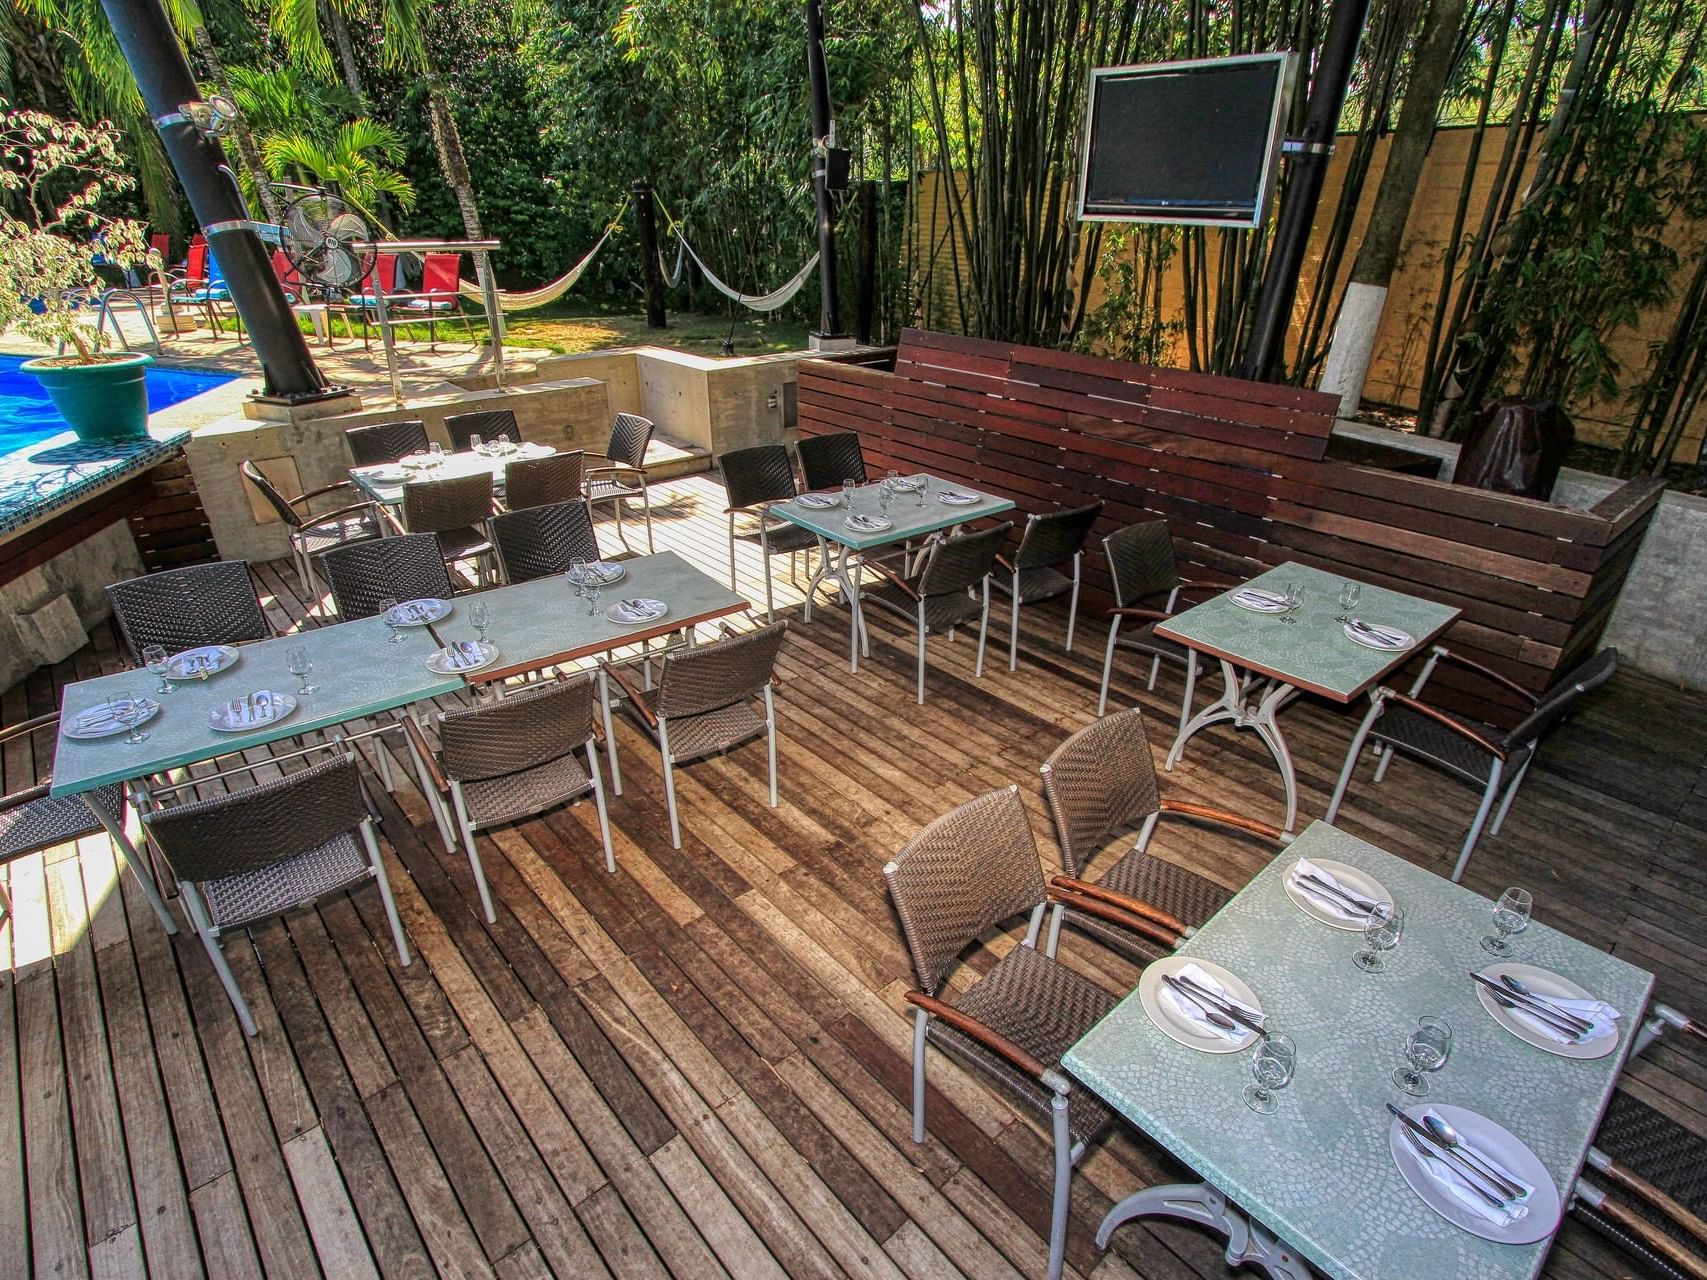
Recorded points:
248,154
454,165
346,55
1366,295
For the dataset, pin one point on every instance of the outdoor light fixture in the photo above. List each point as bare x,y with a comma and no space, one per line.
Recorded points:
214,118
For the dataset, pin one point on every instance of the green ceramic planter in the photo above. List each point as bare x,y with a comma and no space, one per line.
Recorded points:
103,401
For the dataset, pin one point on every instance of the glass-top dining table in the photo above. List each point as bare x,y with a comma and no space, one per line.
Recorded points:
383,483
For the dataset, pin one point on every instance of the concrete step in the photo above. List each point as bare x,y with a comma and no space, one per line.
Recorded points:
667,458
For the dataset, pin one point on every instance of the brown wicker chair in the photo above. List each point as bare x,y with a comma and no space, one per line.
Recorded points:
542,541
1034,573
313,534
197,604
951,589
248,855
827,460
1496,760
624,476
455,511
488,424
966,872
513,758
703,703
32,820
538,482
753,478
386,441
1103,779
408,567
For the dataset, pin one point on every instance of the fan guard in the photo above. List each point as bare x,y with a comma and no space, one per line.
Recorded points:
320,232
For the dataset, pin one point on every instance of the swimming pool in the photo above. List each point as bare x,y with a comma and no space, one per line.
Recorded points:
27,416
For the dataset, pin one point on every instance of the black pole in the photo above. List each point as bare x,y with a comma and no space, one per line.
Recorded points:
1304,189
163,74
867,297
647,222
829,310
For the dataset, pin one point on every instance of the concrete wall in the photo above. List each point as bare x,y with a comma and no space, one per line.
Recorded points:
45,613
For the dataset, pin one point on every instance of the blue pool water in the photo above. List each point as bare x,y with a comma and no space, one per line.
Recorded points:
27,416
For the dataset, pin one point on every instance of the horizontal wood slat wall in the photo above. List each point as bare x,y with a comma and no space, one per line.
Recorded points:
1239,470
170,525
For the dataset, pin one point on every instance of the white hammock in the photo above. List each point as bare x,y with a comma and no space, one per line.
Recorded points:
753,302
530,298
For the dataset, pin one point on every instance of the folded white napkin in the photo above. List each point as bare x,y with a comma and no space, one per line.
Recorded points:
1322,898
1259,597
1194,1015
1602,1015
1444,1172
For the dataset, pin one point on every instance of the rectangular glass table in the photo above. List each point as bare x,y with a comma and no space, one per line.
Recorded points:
1317,1173
466,463
1266,662
911,515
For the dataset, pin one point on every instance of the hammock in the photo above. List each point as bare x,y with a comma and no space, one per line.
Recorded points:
528,299
753,302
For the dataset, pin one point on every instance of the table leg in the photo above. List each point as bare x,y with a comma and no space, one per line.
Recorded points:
1255,704
1202,1204
132,859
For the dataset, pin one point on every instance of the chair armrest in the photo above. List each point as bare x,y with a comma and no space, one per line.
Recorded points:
613,468
884,571
1117,908
27,796
628,687
1005,563
28,726
418,740
322,491
760,509
1441,718
1149,615
1253,825
1511,686
987,1036
329,517
392,515
1208,584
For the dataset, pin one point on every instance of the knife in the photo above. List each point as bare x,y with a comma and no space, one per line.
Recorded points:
1559,1020
1478,1181
1543,1002
1217,1017
1351,899
1379,637
1222,1005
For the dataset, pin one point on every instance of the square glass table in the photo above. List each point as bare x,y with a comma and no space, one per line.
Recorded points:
466,463
1317,1173
1267,662
911,515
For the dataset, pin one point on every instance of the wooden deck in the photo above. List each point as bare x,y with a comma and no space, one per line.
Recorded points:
697,1067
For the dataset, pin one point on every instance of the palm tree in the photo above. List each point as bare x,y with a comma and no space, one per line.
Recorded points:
359,156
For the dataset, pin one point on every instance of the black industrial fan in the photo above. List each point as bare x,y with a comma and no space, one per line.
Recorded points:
320,238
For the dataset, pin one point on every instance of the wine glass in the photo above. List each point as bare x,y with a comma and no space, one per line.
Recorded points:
1294,596
503,442
1382,930
891,478
436,454
393,618
1511,915
594,586
1272,1066
884,498
476,444
847,494
578,575
154,656
924,486
480,614
1350,594
299,664
128,712
1427,1049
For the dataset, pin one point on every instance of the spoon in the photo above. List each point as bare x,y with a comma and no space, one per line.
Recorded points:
1448,1136
1215,1016
1540,999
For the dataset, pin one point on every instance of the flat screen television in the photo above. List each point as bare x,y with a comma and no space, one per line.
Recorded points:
1185,142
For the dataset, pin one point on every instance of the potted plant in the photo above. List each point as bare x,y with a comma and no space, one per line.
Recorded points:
57,179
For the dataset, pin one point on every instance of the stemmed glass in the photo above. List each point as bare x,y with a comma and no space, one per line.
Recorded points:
594,585
503,442
1272,1066
1511,915
1381,933
1294,597
578,575
1350,594
393,619
1427,1049
480,614
299,664
158,662
128,712
924,487
436,454
847,494
476,444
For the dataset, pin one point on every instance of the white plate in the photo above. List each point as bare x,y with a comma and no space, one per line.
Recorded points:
416,613
1150,990
93,722
818,501
388,475
1500,1145
601,571
1405,639
527,449
440,662
419,462
1361,883
869,524
213,658
955,498
1542,982
649,611
1257,601
252,711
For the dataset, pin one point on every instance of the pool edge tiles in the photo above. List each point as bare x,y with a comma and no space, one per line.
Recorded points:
39,479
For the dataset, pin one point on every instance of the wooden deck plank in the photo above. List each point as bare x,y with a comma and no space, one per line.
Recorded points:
57,1244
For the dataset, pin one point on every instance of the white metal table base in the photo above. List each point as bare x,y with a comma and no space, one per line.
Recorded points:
1249,701
1200,1203
131,857
835,563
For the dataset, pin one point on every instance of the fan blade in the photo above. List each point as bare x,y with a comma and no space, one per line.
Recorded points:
342,267
301,222
348,226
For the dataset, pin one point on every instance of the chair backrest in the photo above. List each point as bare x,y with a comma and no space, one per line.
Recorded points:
457,502
1141,561
407,567
630,434
1562,697
195,262
1050,539
383,270
826,461
386,441
961,562
287,274
268,490
709,676
1099,780
537,482
261,826
485,423
215,272
518,731
762,473
439,273
161,243
972,868
193,605
540,541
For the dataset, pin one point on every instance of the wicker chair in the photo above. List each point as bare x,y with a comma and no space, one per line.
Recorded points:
754,478
311,534
386,441
180,608
1103,779
513,758
968,871
1034,573
248,855
703,703
826,461
454,511
1662,1166
32,820
625,475
488,424
951,589
408,567
536,482
1496,760
542,541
